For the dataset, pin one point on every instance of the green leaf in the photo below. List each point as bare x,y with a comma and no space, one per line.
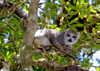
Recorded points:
78,25
39,20
73,21
67,9
72,27
86,59
81,14
94,11
6,46
7,54
73,7
74,1
94,30
97,68
98,8
89,65
98,16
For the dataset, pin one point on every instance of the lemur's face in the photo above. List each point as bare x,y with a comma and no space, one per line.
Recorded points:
71,36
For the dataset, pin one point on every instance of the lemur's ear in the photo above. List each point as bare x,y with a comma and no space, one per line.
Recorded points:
78,35
67,30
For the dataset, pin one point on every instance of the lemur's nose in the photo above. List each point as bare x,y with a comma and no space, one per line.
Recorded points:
70,40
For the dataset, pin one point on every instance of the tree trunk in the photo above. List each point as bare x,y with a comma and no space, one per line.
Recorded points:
26,50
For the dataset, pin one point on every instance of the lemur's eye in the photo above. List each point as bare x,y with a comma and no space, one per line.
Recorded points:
68,35
74,36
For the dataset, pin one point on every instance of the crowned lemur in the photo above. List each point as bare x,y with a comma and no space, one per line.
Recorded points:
67,38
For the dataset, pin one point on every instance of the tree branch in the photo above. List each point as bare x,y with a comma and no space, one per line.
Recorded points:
58,68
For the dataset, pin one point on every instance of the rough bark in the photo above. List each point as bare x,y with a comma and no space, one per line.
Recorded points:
19,11
26,50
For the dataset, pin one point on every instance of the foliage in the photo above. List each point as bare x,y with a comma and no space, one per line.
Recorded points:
79,14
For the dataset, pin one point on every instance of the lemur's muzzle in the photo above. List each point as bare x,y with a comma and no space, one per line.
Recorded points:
70,40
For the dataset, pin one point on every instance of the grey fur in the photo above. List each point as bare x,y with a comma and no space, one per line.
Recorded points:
42,37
